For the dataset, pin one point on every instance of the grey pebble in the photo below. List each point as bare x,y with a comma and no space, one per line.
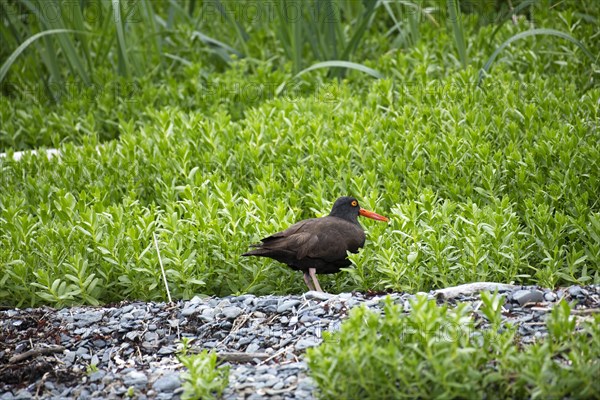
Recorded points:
252,348
318,295
232,312
133,335
302,344
550,296
189,310
135,378
167,383
577,291
345,296
523,297
287,305
97,376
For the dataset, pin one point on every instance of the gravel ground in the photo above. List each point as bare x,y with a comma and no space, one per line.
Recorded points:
47,353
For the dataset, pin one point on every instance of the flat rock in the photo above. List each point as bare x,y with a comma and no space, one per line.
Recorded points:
314,295
523,296
232,312
167,383
135,378
287,305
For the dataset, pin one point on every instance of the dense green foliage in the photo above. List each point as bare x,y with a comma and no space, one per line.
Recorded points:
68,85
435,352
492,182
496,185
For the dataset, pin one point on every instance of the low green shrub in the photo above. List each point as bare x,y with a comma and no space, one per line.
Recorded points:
203,378
494,185
435,352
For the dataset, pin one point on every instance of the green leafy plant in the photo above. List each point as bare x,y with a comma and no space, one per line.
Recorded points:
494,182
492,308
203,379
433,351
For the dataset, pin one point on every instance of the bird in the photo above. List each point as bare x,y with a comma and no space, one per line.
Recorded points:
319,245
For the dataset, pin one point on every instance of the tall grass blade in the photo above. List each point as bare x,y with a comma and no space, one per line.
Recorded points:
66,42
239,29
362,28
78,24
508,16
222,50
296,41
15,54
343,64
334,64
457,27
150,24
123,67
533,32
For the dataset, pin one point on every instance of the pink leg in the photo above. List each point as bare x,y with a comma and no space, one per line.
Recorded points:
308,282
312,272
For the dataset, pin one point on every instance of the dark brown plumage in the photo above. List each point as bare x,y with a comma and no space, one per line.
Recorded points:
319,245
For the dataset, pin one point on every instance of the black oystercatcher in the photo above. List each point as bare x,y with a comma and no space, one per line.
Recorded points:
319,245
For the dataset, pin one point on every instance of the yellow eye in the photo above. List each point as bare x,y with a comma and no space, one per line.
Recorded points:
354,203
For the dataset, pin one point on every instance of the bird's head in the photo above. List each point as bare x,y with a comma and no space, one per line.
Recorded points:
347,208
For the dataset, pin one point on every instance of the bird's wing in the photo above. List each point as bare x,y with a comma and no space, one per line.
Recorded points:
314,238
297,227
299,239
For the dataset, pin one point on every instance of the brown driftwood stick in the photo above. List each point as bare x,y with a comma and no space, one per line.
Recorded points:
238,356
35,352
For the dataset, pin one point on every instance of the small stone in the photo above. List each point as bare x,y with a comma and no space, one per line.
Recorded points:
523,297
345,296
287,305
308,318
252,348
577,291
133,335
151,337
290,379
167,383
278,386
207,315
303,344
245,340
302,394
165,350
87,318
195,300
189,310
135,378
97,376
232,312
550,296
69,356
81,351
314,295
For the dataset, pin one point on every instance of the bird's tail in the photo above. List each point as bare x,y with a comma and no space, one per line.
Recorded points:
256,252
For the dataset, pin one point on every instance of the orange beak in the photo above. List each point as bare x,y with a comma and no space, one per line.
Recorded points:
372,215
